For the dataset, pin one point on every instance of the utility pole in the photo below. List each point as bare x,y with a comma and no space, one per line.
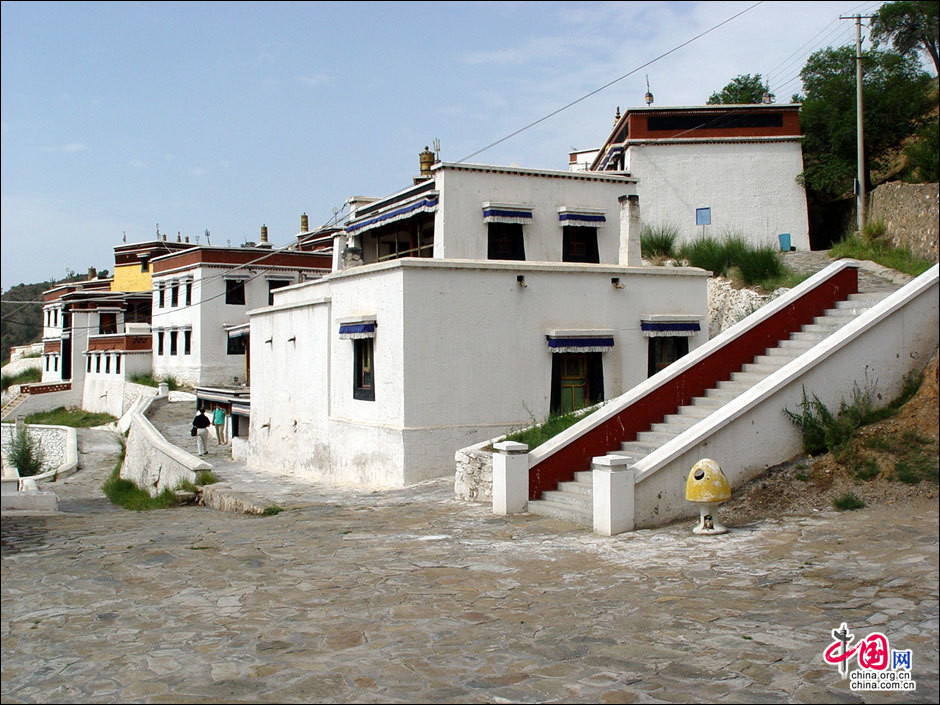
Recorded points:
859,118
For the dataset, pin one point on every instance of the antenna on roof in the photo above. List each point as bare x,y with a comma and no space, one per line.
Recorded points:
207,236
437,149
649,96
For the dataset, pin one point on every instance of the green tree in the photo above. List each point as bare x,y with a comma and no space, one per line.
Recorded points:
896,95
743,89
909,27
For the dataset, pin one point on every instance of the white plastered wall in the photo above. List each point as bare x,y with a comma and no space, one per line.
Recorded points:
461,233
750,187
460,356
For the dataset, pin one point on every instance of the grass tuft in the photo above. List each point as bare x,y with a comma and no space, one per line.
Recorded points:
847,502
877,250
24,377
534,436
658,242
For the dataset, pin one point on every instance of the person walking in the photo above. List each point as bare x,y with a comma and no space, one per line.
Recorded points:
201,432
218,420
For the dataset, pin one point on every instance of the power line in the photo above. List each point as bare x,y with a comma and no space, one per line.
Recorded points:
608,85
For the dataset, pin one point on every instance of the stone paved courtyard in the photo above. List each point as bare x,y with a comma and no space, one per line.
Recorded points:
411,596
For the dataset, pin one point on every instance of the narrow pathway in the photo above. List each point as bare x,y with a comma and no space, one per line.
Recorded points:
81,493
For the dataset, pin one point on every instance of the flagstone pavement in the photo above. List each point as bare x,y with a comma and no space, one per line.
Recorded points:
411,596
352,595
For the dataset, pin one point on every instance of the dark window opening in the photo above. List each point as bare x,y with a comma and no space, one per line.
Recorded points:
276,284
55,363
144,264
159,342
174,336
724,121
47,362
579,245
175,295
97,363
363,370
107,364
237,345
107,323
117,364
235,292
189,294
87,364
505,241
138,311
577,381
187,342
161,297
664,351
407,238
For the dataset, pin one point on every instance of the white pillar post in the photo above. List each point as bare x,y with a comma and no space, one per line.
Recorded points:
614,484
630,254
510,478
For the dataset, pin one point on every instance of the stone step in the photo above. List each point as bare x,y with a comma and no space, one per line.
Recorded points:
582,476
691,411
710,403
582,501
776,356
562,512
731,388
655,438
680,421
764,366
805,336
748,378
579,488
825,328
637,449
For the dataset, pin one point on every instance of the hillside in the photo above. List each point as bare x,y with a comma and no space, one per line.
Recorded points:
21,324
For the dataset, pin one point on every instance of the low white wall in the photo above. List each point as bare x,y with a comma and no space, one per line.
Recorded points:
473,480
59,447
15,367
45,402
153,463
752,432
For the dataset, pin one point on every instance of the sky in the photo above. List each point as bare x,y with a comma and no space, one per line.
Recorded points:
121,118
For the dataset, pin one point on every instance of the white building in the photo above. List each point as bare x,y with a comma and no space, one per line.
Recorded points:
468,304
201,297
712,169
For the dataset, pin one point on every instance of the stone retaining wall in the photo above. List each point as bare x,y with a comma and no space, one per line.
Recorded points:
473,481
52,439
910,213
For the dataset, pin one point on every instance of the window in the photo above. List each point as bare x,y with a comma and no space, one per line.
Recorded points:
237,345
187,342
117,364
174,336
189,293
97,363
275,284
87,364
55,317
504,241
363,373
144,264
663,351
235,292
161,297
107,364
174,295
159,342
107,323
579,244
55,363
47,362
577,381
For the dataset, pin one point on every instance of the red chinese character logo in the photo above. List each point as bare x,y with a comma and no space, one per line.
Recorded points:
873,652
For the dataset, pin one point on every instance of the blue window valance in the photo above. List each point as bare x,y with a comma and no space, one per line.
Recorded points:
364,329
425,205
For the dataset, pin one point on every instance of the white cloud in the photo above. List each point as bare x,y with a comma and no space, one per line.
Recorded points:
70,148
198,171
137,164
317,79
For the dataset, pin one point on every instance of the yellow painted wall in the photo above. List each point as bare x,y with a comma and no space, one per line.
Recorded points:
129,278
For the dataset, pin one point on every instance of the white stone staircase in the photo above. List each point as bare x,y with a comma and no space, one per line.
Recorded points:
573,501
11,405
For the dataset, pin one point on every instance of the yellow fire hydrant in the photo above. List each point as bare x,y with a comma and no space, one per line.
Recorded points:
708,487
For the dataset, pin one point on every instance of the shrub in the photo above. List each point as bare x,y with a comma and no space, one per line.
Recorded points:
26,454
733,254
847,502
658,241
151,381
822,430
206,477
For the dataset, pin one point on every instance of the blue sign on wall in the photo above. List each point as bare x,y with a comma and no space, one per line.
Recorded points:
703,216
